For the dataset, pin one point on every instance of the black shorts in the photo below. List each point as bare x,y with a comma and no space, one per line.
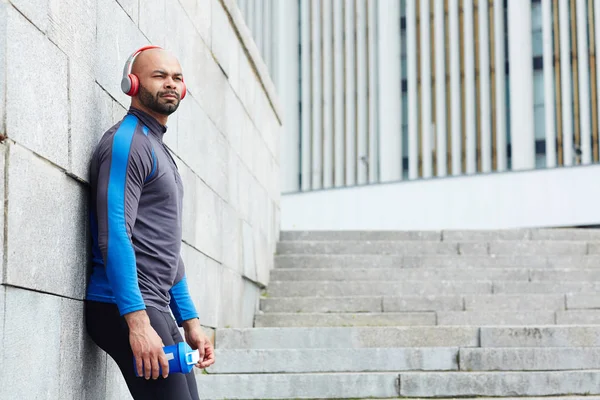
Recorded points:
110,332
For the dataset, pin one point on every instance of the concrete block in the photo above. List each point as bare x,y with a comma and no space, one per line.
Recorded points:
264,259
248,256
399,274
2,308
178,25
296,386
463,261
543,336
246,180
153,22
323,304
35,107
530,359
566,274
545,287
337,261
543,248
24,310
486,236
232,239
35,11
521,302
222,37
236,114
479,318
72,27
91,116
583,301
334,360
132,8
250,298
365,247
344,319
577,261
234,73
578,317
116,388
473,249
117,37
56,218
565,234
374,288
361,235
231,294
233,177
200,13
499,384
248,86
422,303
204,280
355,337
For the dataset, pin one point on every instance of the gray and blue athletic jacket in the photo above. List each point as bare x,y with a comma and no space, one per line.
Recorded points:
135,218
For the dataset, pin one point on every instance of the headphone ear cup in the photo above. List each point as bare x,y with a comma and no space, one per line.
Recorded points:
135,85
183,91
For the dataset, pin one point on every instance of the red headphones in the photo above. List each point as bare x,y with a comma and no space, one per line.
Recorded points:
130,84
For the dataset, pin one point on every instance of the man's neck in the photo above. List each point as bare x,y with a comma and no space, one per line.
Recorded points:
161,118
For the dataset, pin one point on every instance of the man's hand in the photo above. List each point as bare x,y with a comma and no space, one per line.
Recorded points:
146,345
197,339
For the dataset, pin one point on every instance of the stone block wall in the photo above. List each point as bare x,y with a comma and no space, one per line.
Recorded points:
60,71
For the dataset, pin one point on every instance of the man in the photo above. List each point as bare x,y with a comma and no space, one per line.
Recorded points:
136,218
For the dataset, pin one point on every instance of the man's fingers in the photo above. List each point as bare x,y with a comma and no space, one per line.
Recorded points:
201,348
155,369
147,367
139,363
209,358
164,364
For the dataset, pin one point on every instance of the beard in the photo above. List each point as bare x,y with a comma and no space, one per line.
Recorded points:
154,103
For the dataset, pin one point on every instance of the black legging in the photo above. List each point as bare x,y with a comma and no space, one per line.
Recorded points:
111,333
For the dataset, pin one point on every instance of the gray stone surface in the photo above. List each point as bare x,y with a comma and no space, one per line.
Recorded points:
36,11
522,302
576,261
116,388
365,247
585,301
132,8
55,219
248,255
423,303
500,383
401,274
200,12
152,21
334,360
565,234
30,101
297,386
231,296
482,318
338,261
360,235
578,317
222,38
2,308
545,248
475,261
32,332
232,239
542,336
567,274
343,337
250,299
372,288
594,248
344,319
507,287
485,235
323,304
204,277
473,249
530,359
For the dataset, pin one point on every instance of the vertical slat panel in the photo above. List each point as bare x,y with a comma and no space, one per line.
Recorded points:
470,105
267,35
251,5
565,67
306,105
585,119
317,99
594,80
373,91
338,93
499,67
413,107
389,90
440,87
257,31
425,52
455,86
484,71
243,6
350,76
327,71
361,91
575,75
557,84
549,84
597,39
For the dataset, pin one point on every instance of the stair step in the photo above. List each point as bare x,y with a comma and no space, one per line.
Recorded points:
382,288
435,384
349,337
483,318
416,274
542,287
543,248
360,235
298,386
344,319
432,261
235,361
541,336
530,359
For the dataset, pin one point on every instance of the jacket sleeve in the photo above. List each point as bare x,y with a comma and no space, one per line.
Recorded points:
126,163
181,302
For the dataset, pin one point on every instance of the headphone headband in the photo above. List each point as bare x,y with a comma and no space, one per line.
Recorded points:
129,62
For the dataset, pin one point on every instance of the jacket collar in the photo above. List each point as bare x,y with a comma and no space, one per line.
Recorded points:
155,127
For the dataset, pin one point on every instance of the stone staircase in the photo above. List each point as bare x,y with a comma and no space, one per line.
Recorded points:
354,315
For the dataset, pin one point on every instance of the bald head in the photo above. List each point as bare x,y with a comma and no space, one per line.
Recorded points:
161,81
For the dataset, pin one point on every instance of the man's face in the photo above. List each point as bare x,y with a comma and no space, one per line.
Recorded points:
161,81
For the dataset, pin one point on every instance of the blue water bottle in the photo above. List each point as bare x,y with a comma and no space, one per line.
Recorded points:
181,358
